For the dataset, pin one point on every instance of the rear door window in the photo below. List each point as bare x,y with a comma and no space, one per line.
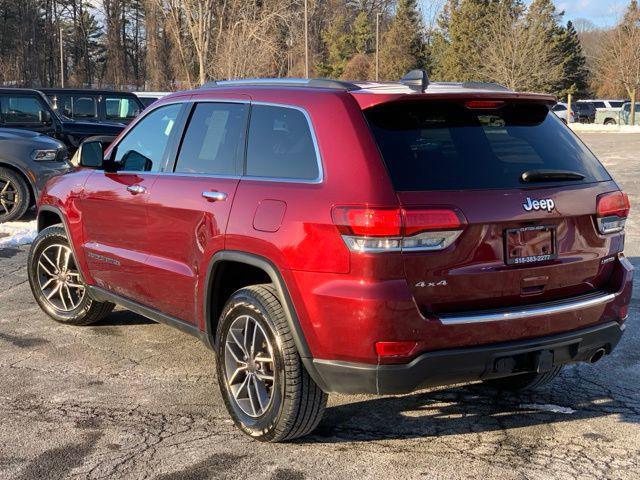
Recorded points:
214,140
281,144
616,104
81,107
599,105
446,146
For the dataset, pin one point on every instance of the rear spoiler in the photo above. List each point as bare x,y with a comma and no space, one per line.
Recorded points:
369,99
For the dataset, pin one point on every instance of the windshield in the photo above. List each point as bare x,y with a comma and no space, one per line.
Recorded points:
446,146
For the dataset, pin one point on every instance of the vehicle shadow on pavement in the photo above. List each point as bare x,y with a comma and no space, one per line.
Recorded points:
473,409
123,318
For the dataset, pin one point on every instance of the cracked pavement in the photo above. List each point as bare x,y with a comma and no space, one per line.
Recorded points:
129,398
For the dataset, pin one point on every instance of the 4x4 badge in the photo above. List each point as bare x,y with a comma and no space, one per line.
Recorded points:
546,204
441,283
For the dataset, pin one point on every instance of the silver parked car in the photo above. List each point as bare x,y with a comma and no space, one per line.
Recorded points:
562,110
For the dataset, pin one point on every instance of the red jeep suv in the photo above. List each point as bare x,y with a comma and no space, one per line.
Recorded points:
323,236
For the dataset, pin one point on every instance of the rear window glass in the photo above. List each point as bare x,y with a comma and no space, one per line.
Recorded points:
446,146
616,104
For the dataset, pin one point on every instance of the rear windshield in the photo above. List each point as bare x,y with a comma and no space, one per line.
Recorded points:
446,146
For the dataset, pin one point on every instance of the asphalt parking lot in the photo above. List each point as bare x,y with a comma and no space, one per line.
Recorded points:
129,398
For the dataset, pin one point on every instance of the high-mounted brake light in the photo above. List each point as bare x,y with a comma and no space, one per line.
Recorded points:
612,211
371,229
484,104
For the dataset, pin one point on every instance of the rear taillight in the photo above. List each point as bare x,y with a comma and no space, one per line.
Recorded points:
612,211
370,229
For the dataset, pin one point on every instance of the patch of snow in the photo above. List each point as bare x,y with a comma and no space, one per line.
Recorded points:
13,234
595,127
547,407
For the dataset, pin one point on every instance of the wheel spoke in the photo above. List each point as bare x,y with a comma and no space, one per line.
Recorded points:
243,386
261,393
263,359
61,296
247,346
53,292
238,371
230,349
44,255
4,205
46,270
6,187
253,396
265,377
58,258
238,342
47,283
69,296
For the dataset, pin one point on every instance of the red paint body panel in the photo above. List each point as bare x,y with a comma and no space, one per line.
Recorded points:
345,302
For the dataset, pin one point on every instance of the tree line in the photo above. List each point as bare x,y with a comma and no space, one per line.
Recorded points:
172,44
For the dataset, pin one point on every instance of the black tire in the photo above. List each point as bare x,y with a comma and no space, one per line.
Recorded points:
525,381
296,403
86,310
610,121
14,196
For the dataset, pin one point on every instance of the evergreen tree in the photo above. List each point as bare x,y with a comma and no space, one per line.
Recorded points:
403,46
362,33
575,78
456,47
339,48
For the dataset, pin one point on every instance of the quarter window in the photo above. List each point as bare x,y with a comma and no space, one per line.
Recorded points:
119,108
280,144
145,145
214,139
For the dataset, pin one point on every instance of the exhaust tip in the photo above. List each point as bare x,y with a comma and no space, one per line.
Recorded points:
597,355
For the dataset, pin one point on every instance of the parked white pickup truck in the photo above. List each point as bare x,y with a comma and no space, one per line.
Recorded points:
622,116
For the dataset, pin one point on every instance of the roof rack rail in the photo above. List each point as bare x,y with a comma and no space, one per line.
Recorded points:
285,82
485,86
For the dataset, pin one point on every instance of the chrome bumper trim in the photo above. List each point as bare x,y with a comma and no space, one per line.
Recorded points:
529,311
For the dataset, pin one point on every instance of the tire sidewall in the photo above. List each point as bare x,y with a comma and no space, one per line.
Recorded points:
264,426
53,236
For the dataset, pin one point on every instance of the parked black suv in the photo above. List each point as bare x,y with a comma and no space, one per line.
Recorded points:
584,112
27,109
95,105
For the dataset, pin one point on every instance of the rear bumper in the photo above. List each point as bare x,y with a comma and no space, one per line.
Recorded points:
468,364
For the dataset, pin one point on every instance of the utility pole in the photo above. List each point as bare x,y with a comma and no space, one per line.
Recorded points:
61,60
378,46
306,38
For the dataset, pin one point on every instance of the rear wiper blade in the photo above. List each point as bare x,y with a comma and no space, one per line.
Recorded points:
550,176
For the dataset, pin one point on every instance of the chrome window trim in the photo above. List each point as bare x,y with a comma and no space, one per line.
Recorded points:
518,313
320,178
316,181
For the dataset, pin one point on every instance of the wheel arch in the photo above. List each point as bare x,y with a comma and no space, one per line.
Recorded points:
273,274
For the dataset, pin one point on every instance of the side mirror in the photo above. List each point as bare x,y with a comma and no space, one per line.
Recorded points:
45,117
91,154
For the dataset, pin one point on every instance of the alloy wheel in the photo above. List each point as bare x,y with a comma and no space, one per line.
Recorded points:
59,278
249,366
9,197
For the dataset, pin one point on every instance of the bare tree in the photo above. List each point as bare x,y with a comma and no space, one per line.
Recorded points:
516,55
192,20
619,62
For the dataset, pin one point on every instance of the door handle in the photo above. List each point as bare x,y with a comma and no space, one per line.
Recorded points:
136,189
215,196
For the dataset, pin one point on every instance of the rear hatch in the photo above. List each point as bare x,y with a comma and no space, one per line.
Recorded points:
524,189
